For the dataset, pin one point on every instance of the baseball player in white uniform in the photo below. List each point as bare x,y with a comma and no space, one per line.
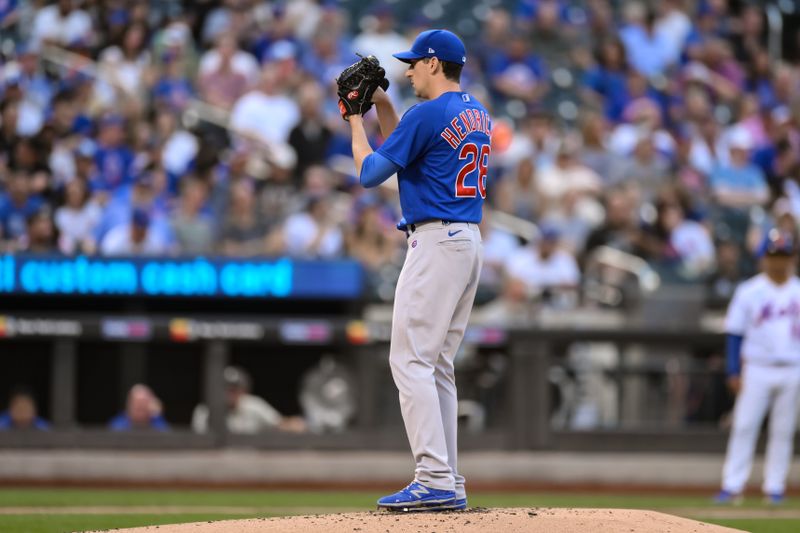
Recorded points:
763,366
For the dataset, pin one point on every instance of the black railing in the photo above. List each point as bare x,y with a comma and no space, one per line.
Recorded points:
523,406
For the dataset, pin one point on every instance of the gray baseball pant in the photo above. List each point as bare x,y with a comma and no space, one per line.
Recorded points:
433,300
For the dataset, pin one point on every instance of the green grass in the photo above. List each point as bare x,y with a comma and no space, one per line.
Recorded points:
270,503
68,523
254,498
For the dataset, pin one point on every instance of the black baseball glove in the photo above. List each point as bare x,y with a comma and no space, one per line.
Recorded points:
357,83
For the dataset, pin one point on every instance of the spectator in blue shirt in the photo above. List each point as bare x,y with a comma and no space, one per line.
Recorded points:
647,49
9,14
142,412
16,206
518,73
173,89
22,412
607,79
739,184
113,157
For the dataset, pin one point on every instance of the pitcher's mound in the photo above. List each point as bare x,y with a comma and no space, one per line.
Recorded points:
530,520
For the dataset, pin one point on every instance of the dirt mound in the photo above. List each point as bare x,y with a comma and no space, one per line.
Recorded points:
528,520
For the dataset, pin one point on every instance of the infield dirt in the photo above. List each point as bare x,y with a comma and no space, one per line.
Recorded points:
513,520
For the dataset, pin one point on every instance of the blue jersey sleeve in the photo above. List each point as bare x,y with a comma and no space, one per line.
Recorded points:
733,354
410,138
376,169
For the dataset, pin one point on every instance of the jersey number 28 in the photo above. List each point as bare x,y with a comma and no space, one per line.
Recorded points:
476,158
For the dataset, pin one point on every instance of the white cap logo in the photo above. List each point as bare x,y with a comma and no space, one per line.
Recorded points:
431,51
464,59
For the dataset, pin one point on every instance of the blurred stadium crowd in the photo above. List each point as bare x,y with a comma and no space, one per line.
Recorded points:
665,130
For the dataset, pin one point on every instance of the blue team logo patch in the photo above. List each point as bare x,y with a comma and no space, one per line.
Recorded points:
465,97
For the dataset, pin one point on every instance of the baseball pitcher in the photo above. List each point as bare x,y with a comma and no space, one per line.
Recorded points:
440,152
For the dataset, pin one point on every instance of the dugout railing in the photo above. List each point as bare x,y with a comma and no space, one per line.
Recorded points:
527,395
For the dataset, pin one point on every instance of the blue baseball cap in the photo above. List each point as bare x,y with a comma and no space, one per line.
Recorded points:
777,242
436,43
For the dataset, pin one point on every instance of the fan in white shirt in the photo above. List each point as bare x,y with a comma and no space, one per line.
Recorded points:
544,266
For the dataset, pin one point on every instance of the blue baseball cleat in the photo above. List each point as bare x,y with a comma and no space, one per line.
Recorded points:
460,504
776,498
418,497
725,497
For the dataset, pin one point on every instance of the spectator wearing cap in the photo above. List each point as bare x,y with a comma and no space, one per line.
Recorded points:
143,411
174,43
32,79
779,216
134,238
16,205
140,194
739,184
114,159
544,266
247,414
22,413
173,89
283,57
77,219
